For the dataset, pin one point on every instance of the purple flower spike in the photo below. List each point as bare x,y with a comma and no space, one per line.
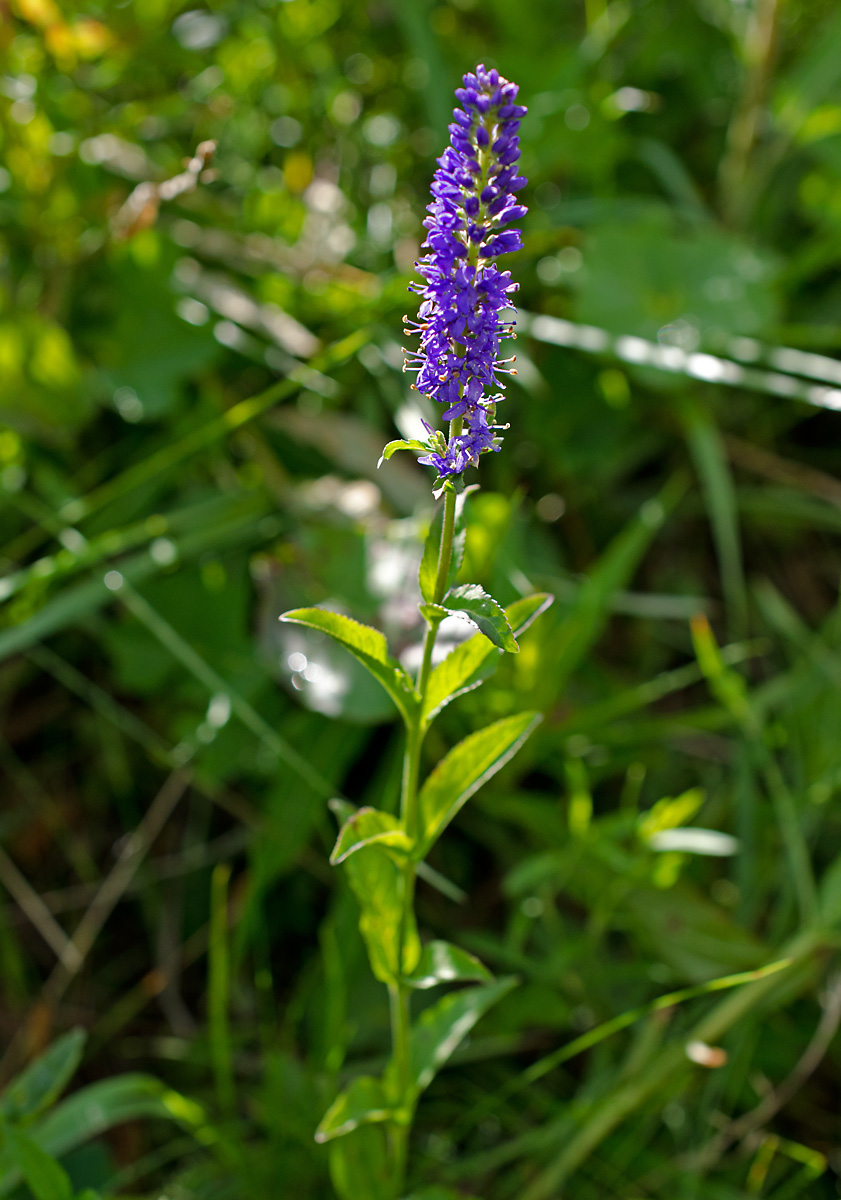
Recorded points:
465,293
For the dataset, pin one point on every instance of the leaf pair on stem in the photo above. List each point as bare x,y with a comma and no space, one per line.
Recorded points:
381,853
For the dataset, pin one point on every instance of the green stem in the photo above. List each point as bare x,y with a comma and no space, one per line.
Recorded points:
401,1038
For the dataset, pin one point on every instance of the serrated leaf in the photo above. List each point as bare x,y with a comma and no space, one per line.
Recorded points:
475,660
475,603
364,828
446,1023
429,563
378,884
463,771
100,1106
45,1178
366,644
43,1081
363,1103
442,963
401,444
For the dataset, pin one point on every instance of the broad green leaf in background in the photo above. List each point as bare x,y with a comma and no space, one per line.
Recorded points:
429,562
43,1081
471,663
653,276
100,1106
463,771
378,884
363,1102
442,963
446,1023
46,1179
475,603
365,827
366,644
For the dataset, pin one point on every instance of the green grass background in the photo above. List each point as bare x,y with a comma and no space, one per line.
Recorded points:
193,404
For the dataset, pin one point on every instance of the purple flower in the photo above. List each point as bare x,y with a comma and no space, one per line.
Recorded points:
464,292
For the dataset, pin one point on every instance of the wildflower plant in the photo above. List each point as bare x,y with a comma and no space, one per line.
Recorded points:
464,314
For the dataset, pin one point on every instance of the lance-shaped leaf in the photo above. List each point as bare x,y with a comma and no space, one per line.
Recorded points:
475,660
475,603
446,1023
379,884
43,1081
463,771
364,828
428,572
401,444
442,963
366,644
363,1103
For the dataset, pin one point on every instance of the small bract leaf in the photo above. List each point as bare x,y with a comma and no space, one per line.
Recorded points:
401,444
446,1023
364,1102
365,827
475,603
366,644
471,663
442,963
463,771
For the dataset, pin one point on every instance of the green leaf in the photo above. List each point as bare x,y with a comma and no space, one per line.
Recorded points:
92,1110
45,1079
364,1102
366,644
709,453
401,444
379,884
442,963
365,827
463,771
471,663
429,563
446,1023
45,1178
485,612
360,1165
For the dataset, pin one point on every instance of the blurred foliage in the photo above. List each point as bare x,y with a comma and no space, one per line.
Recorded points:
195,386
